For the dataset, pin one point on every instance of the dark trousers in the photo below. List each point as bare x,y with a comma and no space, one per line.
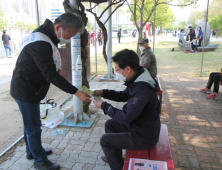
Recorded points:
200,40
194,47
100,42
32,131
119,37
118,137
214,78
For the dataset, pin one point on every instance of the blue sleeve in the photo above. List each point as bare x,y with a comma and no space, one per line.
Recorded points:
118,96
134,108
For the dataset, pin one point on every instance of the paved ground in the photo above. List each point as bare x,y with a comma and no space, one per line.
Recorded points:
194,125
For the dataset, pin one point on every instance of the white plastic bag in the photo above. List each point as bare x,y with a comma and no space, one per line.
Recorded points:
54,122
49,111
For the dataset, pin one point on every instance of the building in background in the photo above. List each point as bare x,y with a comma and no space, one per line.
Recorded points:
25,10
19,11
56,9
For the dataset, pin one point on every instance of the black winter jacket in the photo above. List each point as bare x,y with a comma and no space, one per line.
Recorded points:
141,112
35,69
192,34
6,38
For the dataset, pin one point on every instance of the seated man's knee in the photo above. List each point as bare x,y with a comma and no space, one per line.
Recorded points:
103,139
109,122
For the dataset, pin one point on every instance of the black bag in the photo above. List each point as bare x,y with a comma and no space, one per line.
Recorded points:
187,38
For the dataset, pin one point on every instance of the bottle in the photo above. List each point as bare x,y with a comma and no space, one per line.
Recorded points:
79,63
57,132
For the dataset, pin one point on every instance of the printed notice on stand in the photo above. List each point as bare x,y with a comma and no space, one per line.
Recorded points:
145,164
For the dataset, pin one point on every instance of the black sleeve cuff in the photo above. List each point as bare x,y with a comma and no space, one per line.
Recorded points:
103,107
105,91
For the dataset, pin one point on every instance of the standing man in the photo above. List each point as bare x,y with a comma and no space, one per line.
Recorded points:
100,37
37,66
191,33
6,38
137,124
148,59
119,35
200,35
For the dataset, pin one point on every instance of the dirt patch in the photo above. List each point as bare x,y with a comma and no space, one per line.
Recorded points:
10,152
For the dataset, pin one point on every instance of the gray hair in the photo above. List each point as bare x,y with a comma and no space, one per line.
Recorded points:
70,20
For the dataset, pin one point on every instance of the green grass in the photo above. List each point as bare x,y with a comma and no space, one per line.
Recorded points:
173,63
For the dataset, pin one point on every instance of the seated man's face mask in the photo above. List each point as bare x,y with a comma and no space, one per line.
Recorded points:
120,76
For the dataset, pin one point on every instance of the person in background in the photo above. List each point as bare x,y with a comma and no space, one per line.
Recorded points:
93,38
137,125
6,38
191,33
36,67
148,59
144,34
181,35
200,35
194,45
134,33
100,37
216,79
119,35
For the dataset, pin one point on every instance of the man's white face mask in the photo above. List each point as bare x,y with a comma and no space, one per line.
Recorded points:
62,40
120,76
141,48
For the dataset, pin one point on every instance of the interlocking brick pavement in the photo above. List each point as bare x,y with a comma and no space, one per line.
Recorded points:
194,125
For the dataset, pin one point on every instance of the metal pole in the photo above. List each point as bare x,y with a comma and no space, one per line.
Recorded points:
109,76
109,44
206,19
95,46
37,12
154,24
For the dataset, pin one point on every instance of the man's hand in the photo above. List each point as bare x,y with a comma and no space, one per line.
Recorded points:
98,93
83,96
59,71
98,103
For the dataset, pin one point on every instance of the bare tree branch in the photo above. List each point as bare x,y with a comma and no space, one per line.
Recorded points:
193,2
114,11
111,4
92,7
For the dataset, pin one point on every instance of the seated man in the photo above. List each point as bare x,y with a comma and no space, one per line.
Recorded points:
148,59
137,125
215,78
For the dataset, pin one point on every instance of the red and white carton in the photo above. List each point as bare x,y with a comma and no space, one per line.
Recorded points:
145,164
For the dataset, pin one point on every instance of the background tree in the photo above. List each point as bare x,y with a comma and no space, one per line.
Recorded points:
31,27
214,10
168,26
142,10
21,24
194,16
3,21
103,7
215,16
182,25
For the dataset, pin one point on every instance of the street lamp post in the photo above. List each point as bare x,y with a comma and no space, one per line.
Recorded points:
206,19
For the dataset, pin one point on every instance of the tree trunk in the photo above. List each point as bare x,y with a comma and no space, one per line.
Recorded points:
84,56
140,31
